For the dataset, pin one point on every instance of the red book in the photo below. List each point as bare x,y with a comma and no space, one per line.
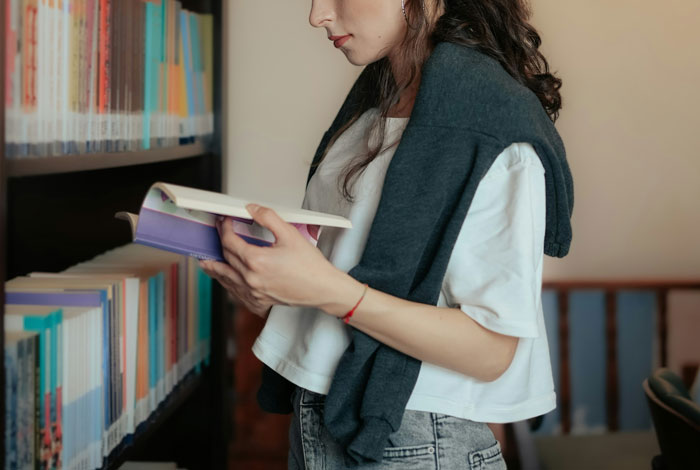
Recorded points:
104,56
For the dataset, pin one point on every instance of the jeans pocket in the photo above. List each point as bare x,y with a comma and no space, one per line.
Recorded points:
413,444
489,458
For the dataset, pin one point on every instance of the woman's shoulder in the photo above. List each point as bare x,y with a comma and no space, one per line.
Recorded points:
463,68
464,87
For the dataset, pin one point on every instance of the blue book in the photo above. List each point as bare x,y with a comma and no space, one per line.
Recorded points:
189,82
12,379
149,71
204,299
42,321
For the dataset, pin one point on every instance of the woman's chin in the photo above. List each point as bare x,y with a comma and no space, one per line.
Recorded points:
354,59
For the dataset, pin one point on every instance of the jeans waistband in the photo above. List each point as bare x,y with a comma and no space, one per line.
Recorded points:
308,397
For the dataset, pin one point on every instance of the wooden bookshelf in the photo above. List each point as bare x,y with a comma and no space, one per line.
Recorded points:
59,211
98,161
3,242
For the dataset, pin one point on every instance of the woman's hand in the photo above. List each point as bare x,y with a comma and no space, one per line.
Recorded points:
236,287
289,272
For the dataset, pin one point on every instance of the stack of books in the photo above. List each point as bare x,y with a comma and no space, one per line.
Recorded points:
87,76
91,352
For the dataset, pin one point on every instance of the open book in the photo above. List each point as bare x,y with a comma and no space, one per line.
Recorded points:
183,220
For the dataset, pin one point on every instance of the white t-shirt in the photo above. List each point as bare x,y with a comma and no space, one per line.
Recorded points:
494,275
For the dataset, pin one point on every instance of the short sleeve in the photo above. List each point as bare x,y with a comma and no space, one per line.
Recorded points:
495,270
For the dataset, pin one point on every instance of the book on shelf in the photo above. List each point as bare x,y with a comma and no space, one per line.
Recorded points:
183,220
45,321
105,75
116,335
22,355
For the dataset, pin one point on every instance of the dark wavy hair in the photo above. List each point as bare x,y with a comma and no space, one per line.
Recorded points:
497,28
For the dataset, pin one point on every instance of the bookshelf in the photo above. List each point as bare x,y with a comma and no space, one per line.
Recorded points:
59,211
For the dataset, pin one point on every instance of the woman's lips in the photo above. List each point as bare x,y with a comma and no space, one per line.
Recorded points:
340,41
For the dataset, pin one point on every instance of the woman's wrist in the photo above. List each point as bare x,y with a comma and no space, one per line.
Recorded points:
342,295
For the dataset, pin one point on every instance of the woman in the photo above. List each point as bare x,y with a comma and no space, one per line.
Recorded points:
445,159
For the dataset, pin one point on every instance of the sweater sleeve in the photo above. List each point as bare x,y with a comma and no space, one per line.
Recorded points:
495,270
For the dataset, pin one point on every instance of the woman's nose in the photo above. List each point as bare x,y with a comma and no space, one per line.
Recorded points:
322,11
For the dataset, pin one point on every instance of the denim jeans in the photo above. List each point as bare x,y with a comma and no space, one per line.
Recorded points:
425,441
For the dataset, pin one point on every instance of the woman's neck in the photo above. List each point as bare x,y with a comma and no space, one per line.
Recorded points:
405,105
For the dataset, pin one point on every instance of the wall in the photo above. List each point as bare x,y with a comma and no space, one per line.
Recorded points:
631,75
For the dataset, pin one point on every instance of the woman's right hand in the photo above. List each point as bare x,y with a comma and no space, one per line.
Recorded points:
236,288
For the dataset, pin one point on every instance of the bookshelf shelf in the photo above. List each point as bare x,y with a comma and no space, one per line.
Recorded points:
98,161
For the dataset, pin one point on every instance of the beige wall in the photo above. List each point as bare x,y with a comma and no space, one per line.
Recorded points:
629,122
285,83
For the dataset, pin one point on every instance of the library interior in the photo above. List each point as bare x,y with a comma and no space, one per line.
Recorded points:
131,127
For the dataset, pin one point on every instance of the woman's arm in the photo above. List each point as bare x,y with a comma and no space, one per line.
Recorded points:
443,336
293,272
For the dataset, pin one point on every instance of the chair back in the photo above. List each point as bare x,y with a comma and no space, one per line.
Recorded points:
676,420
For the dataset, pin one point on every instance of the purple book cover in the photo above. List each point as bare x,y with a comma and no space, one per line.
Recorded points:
66,298
161,224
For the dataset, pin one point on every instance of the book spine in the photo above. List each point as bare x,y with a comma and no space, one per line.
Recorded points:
208,32
23,403
11,375
144,349
173,320
104,72
148,72
57,387
36,405
167,330
64,123
113,372
152,344
182,318
189,84
160,330
81,135
123,367
113,81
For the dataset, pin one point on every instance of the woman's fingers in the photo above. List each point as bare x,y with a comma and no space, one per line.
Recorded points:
232,243
269,219
235,283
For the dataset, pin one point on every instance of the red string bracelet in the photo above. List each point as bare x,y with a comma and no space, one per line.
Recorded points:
347,316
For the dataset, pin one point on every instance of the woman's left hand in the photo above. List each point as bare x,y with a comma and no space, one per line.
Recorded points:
289,272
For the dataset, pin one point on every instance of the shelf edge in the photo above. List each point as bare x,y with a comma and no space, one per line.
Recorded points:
75,163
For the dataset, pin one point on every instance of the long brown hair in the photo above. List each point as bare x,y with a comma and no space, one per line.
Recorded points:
497,28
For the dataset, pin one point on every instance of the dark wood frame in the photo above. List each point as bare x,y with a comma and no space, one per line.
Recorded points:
3,240
76,197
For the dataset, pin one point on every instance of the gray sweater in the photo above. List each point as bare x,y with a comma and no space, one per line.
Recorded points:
467,111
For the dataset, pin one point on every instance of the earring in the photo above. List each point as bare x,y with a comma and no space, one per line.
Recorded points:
403,8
